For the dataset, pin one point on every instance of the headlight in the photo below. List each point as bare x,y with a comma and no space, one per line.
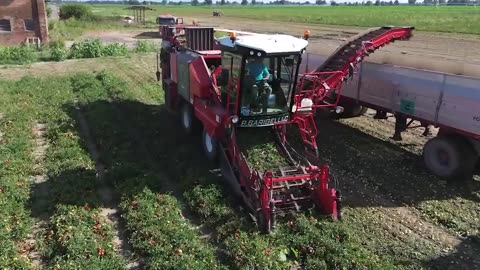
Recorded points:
234,119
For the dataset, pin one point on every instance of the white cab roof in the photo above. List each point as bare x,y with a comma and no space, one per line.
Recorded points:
267,43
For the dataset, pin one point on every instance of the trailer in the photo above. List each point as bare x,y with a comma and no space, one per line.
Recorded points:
222,89
450,102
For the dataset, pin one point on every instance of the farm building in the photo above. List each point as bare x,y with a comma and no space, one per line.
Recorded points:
23,21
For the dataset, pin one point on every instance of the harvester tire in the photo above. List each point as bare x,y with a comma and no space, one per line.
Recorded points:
264,226
449,157
190,124
210,146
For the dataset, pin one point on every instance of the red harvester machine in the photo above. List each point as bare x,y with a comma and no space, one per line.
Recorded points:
217,84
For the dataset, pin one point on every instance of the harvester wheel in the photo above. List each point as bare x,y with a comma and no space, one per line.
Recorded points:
209,146
190,123
338,206
263,225
449,157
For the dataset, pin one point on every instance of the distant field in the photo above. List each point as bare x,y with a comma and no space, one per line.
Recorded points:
437,19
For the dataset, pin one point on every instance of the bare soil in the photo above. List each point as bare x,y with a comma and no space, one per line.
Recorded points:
128,37
443,52
40,194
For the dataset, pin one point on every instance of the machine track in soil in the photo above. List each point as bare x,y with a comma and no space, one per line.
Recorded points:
142,140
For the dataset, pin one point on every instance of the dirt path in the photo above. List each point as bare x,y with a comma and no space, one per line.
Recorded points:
40,193
127,37
76,65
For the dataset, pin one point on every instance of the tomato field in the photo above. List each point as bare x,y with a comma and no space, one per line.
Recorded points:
111,182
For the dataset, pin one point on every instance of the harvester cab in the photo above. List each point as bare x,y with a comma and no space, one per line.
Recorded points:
229,86
258,77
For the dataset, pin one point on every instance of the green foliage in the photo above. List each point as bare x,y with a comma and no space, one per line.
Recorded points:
316,243
80,237
58,53
208,202
77,11
115,49
253,251
260,150
93,48
90,48
144,46
17,55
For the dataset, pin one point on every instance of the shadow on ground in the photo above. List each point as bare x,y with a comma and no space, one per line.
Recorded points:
451,261
385,166
136,138
148,35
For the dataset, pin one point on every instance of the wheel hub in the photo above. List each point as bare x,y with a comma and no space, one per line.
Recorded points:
443,158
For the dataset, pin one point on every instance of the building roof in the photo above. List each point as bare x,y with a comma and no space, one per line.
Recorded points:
269,44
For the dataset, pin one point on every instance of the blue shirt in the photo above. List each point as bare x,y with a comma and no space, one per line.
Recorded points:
258,71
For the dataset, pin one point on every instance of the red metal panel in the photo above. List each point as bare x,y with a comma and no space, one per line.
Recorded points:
200,82
208,116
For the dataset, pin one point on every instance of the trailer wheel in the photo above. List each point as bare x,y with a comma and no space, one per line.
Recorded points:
449,157
209,145
190,123
354,110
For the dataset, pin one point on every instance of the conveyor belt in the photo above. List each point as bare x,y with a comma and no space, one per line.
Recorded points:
374,38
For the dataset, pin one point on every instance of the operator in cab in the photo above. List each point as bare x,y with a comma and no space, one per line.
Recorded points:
260,89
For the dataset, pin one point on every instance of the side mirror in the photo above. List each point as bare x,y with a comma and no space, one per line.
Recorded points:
289,62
